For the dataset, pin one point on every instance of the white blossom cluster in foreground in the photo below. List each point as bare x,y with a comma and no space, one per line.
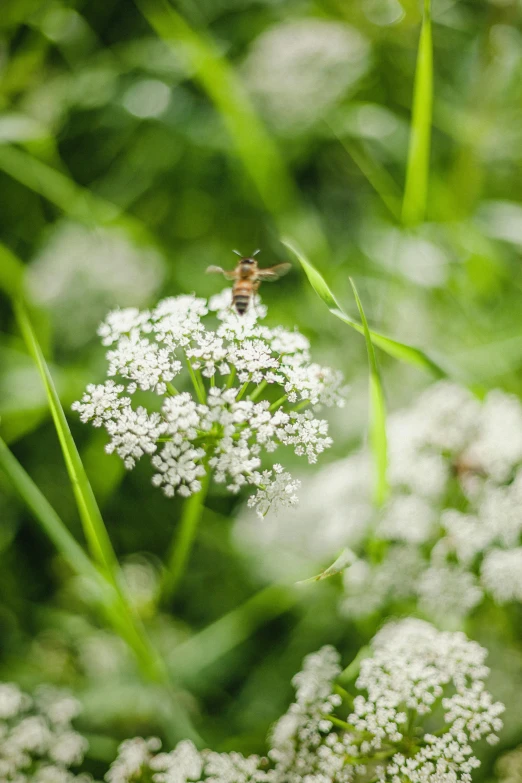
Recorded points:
451,529
37,741
415,674
253,390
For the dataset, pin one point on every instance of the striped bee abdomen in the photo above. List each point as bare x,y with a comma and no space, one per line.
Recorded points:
241,294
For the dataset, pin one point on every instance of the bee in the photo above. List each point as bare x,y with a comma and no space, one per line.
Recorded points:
247,277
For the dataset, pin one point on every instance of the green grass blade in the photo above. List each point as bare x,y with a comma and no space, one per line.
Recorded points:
59,189
380,180
345,559
11,272
378,438
93,525
417,173
51,523
252,143
217,639
401,351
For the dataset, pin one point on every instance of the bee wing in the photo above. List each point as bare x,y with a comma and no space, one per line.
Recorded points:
273,272
230,275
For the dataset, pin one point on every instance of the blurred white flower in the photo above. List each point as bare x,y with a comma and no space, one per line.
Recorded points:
415,254
80,273
501,574
509,766
37,741
455,474
448,593
298,70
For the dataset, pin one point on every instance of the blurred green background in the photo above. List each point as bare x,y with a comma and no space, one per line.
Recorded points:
140,143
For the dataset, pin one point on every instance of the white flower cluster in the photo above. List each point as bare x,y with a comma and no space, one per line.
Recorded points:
37,741
414,669
251,385
415,674
451,528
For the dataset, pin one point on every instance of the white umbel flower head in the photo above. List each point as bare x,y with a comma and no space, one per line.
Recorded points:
415,674
254,389
37,741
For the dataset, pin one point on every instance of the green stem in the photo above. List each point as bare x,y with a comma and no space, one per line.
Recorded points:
223,635
172,389
341,723
183,540
231,378
344,694
257,391
241,392
200,392
277,404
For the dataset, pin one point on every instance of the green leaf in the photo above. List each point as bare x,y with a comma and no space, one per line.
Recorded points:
59,189
405,353
351,672
417,173
378,438
345,559
93,525
11,272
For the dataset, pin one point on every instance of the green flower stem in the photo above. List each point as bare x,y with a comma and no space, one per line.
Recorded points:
111,602
94,528
183,540
277,404
257,391
231,378
241,392
196,382
172,389
191,657
301,405
343,693
341,723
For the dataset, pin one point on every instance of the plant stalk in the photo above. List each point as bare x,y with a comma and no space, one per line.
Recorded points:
183,541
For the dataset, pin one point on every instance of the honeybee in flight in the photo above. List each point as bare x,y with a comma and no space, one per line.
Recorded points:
247,277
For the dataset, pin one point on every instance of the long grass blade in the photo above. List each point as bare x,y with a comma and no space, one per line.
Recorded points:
217,639
93,525
11,272
378,438
398,350
59,189
380,180
417,172
253,144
